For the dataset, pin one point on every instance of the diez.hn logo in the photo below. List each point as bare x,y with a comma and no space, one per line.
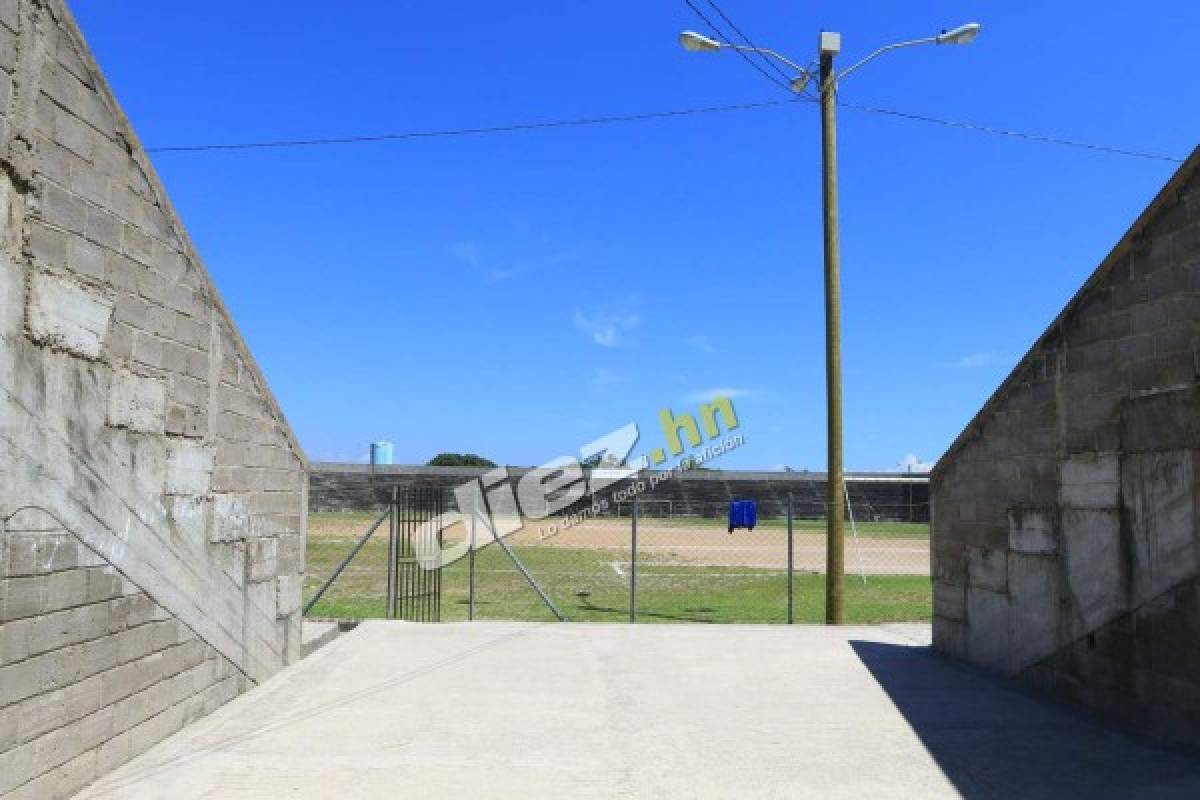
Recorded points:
494,505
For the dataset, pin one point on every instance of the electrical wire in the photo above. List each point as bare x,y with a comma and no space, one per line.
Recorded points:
654,115
1031,137
772,63
433,134
724,36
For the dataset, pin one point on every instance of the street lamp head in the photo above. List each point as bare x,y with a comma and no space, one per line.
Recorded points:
963,34
799,83
696,43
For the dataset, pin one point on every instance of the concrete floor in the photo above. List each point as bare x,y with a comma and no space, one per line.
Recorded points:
674,711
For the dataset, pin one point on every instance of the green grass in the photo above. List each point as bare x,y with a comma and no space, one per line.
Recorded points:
365,517
666,592
871,530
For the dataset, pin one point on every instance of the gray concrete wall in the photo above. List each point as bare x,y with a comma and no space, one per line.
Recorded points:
151,494
1065,540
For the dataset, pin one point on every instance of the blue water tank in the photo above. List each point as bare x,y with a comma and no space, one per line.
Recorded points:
381,453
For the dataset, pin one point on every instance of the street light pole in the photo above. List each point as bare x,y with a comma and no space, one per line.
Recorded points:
835,543
830,45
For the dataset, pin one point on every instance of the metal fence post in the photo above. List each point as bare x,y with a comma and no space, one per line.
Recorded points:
790,560
862,570
345,562
633,563
391,565
471,570
533,584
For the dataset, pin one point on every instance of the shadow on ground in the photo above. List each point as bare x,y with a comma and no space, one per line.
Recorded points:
995,739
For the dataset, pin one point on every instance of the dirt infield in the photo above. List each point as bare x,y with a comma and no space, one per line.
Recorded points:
689,542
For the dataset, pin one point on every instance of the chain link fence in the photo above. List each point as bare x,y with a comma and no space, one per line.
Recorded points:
687,566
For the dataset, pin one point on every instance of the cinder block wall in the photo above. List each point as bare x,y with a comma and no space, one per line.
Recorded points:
151,494
901,497
1065,539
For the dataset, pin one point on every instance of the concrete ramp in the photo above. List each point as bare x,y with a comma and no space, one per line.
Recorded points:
521,710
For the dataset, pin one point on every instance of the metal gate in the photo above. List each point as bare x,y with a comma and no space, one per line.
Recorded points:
414,593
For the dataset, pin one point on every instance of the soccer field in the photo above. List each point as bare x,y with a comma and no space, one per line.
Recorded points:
689,570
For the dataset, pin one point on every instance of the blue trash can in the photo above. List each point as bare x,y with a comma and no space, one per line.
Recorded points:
743,514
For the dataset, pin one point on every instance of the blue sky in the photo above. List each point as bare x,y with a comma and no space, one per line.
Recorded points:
520,294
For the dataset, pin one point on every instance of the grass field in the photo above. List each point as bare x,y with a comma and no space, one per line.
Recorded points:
591,584
356,522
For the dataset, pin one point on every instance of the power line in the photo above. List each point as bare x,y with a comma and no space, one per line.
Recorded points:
433,134
769,61
679,112
720,33
1031,137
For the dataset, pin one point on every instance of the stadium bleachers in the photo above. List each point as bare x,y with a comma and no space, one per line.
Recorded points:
879,496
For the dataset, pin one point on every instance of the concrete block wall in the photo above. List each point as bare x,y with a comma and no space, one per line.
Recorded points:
152,496
1065,540
880,496
95,670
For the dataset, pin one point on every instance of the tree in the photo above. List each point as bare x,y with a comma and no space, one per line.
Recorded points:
601,460
459,460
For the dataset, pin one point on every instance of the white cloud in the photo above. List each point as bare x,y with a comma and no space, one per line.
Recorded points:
976,360
562,257
467,252
471,254
707,395
702,344
341,455
495,269
504,274
606,330
603,376
911,463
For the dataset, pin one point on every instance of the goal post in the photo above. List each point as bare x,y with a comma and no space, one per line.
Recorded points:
648,509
